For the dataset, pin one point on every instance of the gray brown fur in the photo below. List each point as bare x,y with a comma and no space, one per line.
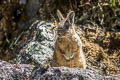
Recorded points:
68,46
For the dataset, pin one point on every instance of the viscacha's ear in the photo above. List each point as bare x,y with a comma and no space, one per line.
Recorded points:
71,16
60,16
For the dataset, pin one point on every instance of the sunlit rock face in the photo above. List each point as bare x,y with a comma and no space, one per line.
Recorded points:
40,44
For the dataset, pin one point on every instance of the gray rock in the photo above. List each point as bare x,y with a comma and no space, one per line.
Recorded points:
29,72
40,45
14,71
65,73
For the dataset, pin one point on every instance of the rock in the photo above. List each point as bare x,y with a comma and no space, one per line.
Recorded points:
65,73
14,71
29,72
39,44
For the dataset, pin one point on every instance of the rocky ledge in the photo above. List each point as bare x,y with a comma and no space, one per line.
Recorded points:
29,72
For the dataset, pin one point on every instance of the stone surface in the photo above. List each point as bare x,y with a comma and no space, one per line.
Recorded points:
29,72
40,44
65,73
14,71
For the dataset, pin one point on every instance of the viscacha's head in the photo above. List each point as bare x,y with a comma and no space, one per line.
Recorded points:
65,25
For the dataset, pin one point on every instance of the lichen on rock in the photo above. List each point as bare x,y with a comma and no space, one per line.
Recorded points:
40,47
